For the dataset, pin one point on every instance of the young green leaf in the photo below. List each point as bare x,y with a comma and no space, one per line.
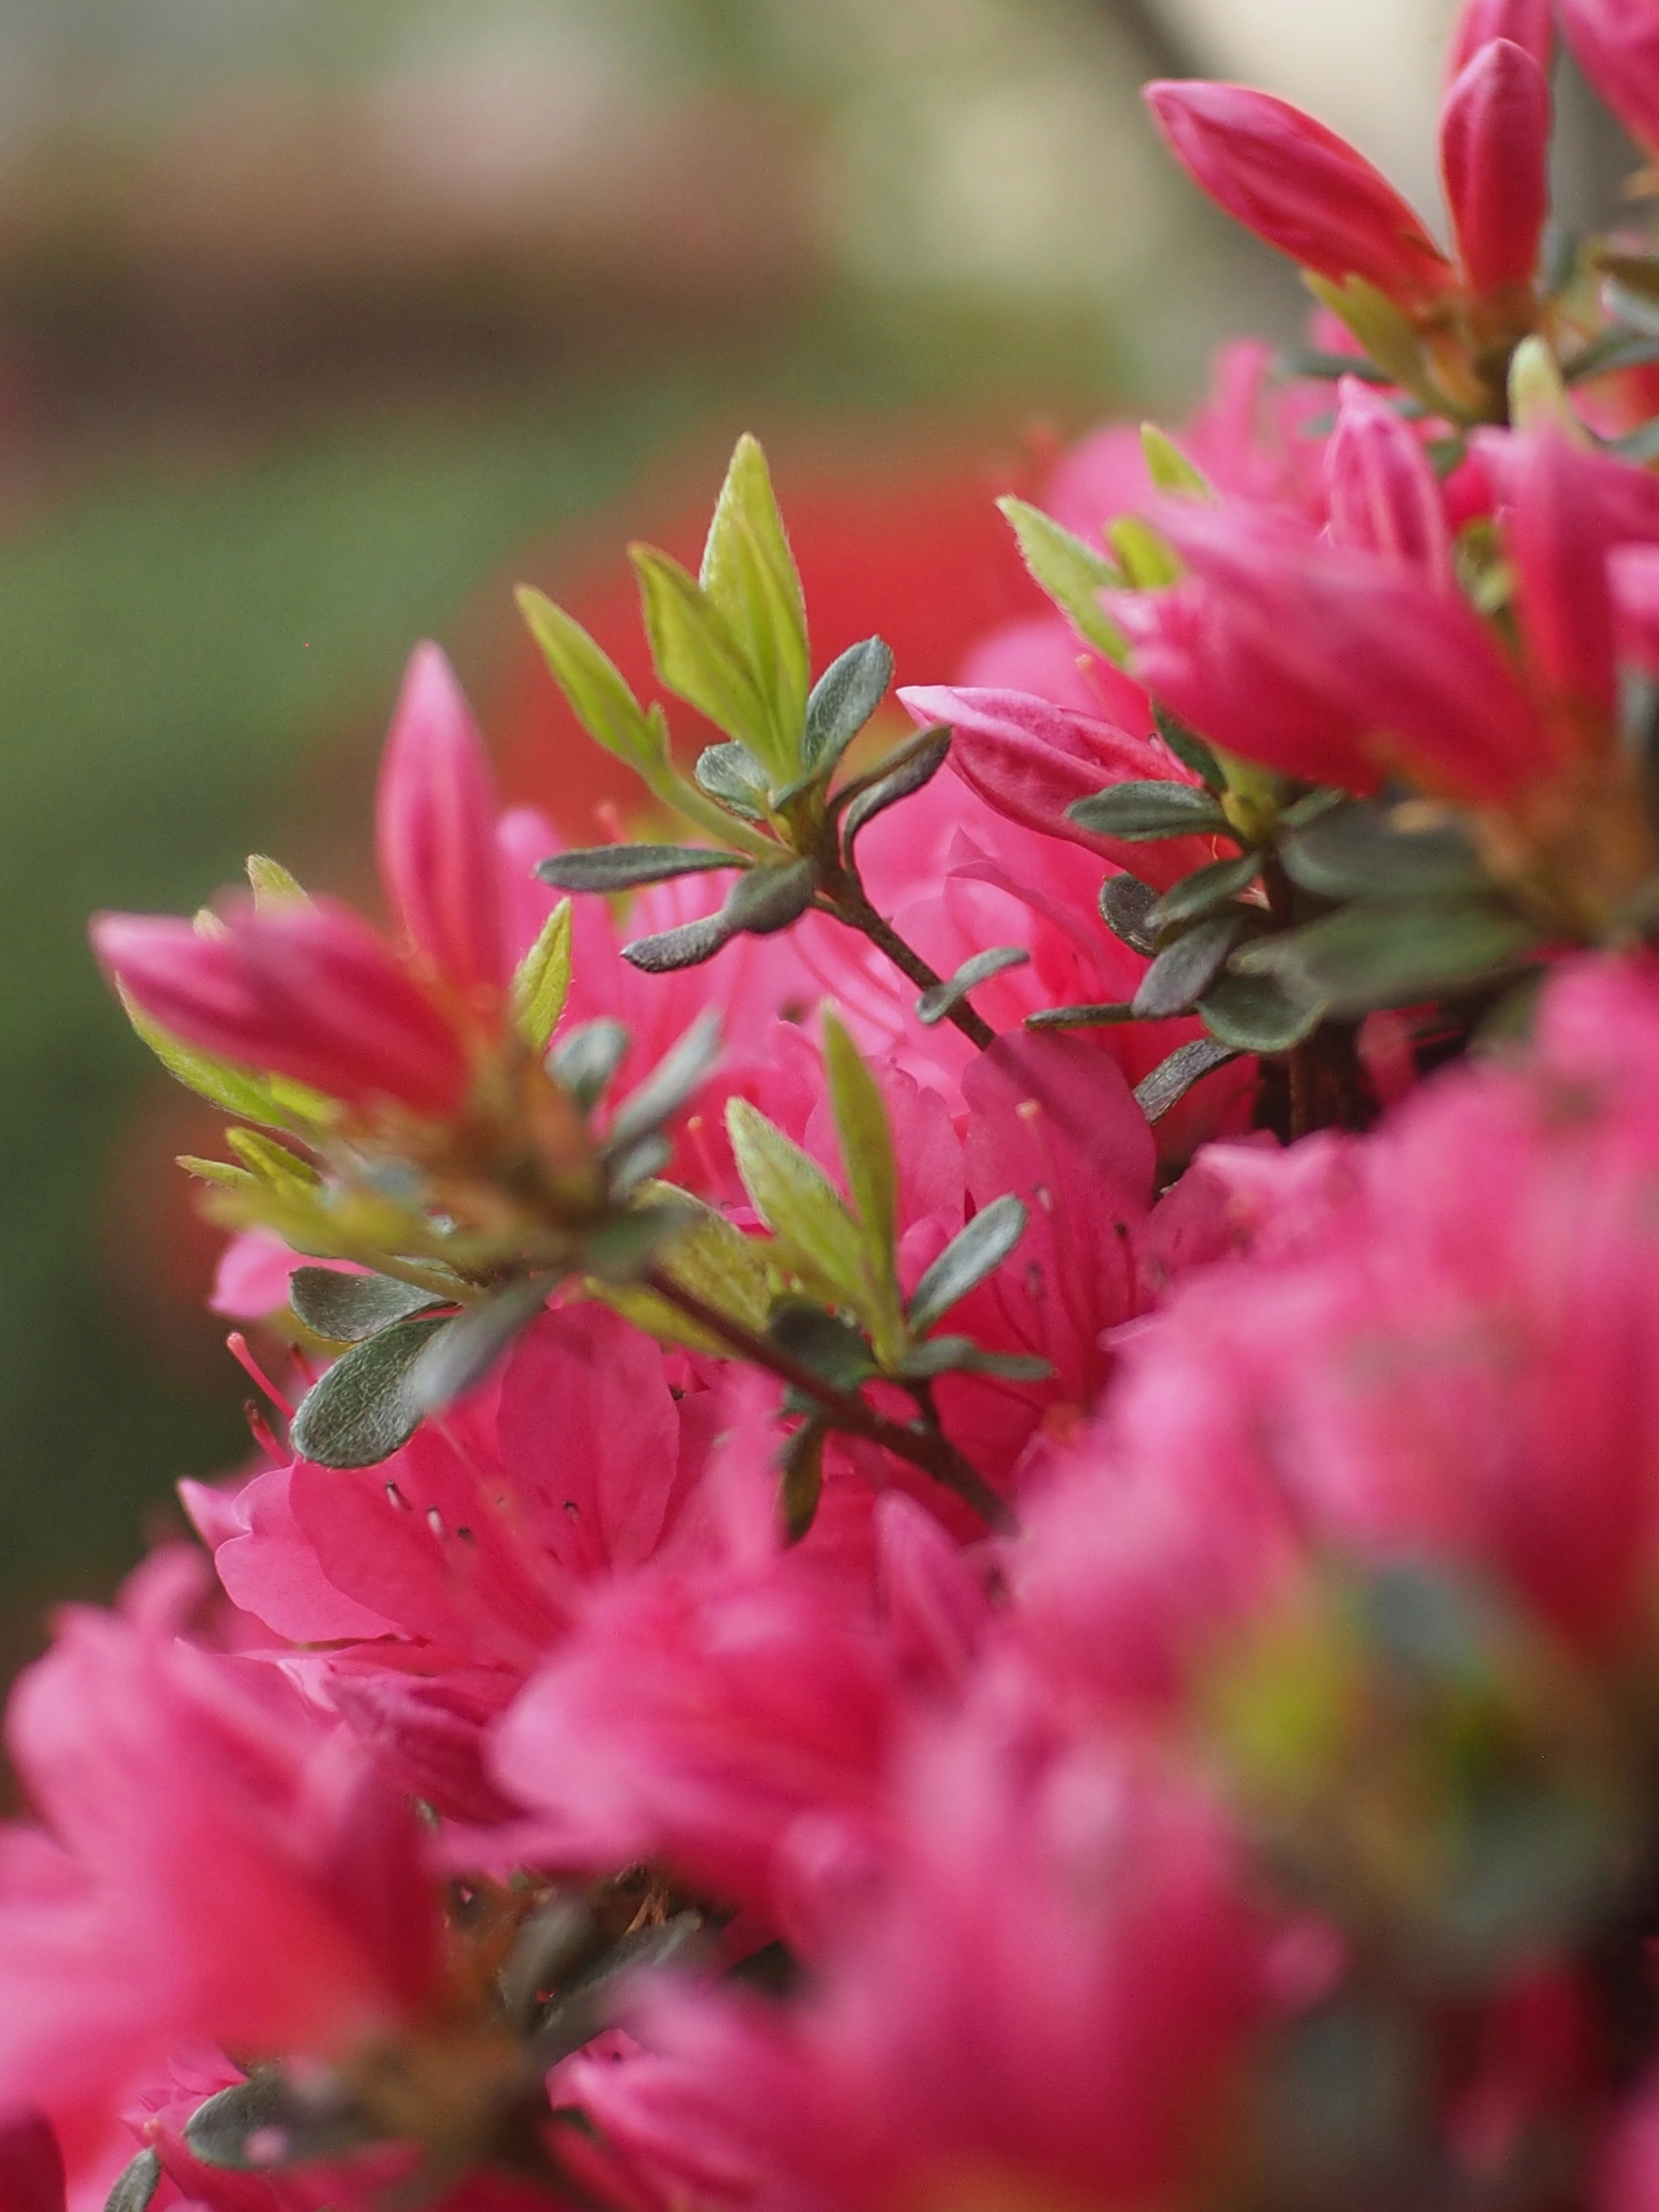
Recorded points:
365,1407
542,983
701,660
976,1252
715,1263
943,998
1143,810
271,1100
272,1162
599,696
626,867
349,1308
1148,560
1073,574
749,574
1186,968
843,698
1169,467
866,1152
817,1236
272,884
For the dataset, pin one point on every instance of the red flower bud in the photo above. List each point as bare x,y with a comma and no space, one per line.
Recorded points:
1522,22
1494,155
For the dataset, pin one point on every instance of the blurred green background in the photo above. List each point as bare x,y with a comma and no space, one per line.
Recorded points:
320,320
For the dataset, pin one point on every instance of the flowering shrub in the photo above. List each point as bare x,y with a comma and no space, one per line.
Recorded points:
958,1504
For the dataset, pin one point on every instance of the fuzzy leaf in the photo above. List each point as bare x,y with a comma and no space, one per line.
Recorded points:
843,698
599,696
688,946
1143,810
1172,1079
749,575
733,777
1148,560
366,1407
1191,751
587,1060
271,1100
768,899
817,1236
1169,467
1186,968
1386,953
542,983
1203,892
945,997
1125,903
349,1308
625,867
1073,574
1082,1018
905,772
1360,849
1257,1014
832,1348
974,1253
268,2122
135,2187
699,657
272,885
472,1344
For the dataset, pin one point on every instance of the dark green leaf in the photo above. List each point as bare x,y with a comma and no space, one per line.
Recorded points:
365,1407
832,1348
975,1252
136,2187
843,698
1257,1014
801,1480
551,1944
903,773
686,1064
1186,968
269,2122
1639,446
960,1355
688,946
645,1157
587,1058
1204,891
625,867
346,1309
472,1343
1172,1079
1311,805
1080,1018
589,2004
1361,849
1139,812
622,1249
1613,349
1311,362
1125,903
1388,953
730,774
945,997
1190,749
769,899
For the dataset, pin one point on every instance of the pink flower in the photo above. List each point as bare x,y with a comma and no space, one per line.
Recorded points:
1525,23
213,1865
31,2167
1300,187
1383,493
1616,44
1494,155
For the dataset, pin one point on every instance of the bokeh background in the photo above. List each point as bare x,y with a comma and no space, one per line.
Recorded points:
322,321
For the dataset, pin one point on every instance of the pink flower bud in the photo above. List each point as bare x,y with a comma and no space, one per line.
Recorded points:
306,991
1300,187
435,820
1383,495
1494,154
1523,22
1616,44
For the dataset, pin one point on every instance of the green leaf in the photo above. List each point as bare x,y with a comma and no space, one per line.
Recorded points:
600,697
943,998
591,2002
348,1309
135,2190
1081,1017
1200,894
271,1163
1125,903
701,660
866,1151
365,1406
834,1350
688,946
686,1064
1258,1013
1361,849
1191,751
219,1172
960,1355
1389,953
817,1236
270,2122
626,867
1186,968
1073,574
737,1275
272,884
905,772
1169,467
1387,335
1328,368
974,1253
1172,1079
1141,810
733,777
801,1480
587,1060
768,899
749,575
843,698
1148,560
542,983
464,1354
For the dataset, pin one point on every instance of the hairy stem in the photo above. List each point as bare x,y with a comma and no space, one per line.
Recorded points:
928,1449
845,897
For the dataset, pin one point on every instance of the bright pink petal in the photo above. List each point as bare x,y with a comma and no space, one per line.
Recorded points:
1494,155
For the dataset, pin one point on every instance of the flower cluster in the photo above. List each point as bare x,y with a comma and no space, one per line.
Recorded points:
957,1502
